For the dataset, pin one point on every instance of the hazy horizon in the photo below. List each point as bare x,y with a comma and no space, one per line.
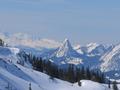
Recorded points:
81,21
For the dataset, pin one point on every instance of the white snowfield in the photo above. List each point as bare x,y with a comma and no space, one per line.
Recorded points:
39,81
17,77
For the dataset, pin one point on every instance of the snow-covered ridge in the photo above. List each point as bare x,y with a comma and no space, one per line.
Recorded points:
91,46
9,53
111,61
78,49
21,79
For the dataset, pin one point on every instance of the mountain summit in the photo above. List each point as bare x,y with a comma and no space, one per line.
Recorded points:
66,50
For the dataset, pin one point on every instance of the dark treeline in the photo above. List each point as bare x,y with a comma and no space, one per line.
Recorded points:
72,73
1,42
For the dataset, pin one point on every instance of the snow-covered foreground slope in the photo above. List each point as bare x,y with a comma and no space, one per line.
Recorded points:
39,81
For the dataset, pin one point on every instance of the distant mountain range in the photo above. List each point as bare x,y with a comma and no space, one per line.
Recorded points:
95,56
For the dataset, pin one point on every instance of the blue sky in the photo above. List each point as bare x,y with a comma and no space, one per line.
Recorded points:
82,21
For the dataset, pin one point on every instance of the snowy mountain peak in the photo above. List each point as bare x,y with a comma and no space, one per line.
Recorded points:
78,49
66,44
66,50
91,46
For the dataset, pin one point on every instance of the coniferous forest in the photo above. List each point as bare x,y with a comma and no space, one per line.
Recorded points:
72,73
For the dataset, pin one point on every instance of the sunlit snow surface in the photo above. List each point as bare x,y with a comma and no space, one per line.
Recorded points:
41,81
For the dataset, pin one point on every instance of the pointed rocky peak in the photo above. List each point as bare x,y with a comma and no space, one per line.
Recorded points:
66,49
66,44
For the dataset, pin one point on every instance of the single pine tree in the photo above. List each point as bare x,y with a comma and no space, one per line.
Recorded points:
109,84
30,86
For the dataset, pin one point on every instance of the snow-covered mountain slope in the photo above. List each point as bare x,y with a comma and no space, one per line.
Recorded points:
18,77
66,50
86,49
111,62
66,54
87,56
98,49
92,54
9,53
14,55
78,49
93,49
